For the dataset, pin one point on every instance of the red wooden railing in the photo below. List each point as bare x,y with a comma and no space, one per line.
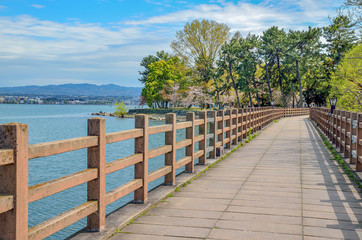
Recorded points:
226,128
344,131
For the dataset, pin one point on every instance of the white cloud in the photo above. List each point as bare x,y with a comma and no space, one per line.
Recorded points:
37,6
50,39
255,18
32,50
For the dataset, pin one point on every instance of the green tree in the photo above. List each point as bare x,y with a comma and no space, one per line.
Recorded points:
162,75
354,11
303,45
146,61
273,46
347,81
340,37
121,109
317,79
198,45
229,62
252,60
239,58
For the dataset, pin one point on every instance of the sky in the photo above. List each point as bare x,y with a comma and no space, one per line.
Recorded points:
46,42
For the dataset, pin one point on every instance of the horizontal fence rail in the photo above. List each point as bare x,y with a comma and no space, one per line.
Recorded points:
218,130
344,131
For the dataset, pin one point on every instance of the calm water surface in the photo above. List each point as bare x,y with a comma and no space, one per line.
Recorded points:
55,122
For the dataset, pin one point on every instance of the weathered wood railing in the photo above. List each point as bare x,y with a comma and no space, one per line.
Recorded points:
344,131
226,128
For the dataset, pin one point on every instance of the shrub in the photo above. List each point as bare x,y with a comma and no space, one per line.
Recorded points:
121,109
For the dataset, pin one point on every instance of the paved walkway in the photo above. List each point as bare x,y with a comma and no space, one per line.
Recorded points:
281,185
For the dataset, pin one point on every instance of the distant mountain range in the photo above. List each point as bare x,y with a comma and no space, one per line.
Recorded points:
74,90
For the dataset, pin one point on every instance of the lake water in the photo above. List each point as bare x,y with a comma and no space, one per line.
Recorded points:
55,122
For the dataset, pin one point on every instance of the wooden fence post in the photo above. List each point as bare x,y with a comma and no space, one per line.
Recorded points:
228,125
339,123
329,121
190,134
358,141
97,187
252,117
240,125
234,122
343,131
255,120
248,122
244,123
14,181
203,131
170,157
141,169
275,114
348,136
326,121
354,139
260,109
213,129
331,127
221,126
334,128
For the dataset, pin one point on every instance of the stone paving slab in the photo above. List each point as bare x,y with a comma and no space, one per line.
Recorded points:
265,227
266,204
281,185
228,234
135,236
171,231
261,218
185,213
178,221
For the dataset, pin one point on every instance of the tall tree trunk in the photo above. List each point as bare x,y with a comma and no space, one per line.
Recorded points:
268,81
280,82
250,100
300,84
257,94
291,85
234,84
217,99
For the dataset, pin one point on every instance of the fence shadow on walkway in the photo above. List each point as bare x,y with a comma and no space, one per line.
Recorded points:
348,221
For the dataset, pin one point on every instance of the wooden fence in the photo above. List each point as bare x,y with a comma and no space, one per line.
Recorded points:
344,131
225,128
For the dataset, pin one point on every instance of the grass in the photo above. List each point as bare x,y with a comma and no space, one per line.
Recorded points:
338,158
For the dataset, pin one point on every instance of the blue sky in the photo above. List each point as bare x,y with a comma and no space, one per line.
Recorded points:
103,41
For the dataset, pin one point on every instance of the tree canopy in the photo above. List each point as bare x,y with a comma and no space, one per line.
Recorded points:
198,45
347,80
294,68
